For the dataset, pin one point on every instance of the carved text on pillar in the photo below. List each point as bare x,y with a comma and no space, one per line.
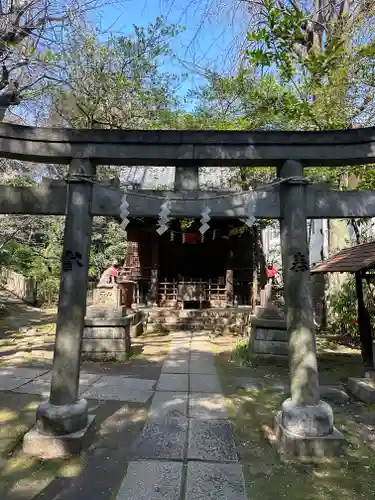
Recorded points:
70,258
299,263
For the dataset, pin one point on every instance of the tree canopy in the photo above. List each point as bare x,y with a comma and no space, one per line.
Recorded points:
304,66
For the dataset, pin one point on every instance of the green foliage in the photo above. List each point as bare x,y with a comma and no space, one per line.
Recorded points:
241,353
325,69
45,268
118,83
108,244
17,256
186,223
343,307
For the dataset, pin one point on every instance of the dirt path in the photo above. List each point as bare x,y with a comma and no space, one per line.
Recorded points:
27,333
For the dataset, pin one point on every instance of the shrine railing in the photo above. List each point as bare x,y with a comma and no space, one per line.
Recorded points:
212,291
167,291
216,291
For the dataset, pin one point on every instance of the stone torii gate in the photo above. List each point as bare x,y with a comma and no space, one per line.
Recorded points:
63,421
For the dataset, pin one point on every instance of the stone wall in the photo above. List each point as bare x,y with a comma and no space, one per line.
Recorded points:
22,287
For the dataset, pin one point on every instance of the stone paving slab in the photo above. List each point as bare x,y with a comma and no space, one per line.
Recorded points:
117,394
162,438
204,383
180,335
211,440
173,382
84,378
178,354
201,348
27,373
41,388
121,388
9,383
201,356
124,381
205,406
212,481
200,337
203,367
169,404
180,343
176,366
152,480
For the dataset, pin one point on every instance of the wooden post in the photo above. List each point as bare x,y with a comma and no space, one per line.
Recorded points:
364,325
256,259
229,281
154,286
65,413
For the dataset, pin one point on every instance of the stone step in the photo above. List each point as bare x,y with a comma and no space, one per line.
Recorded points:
174,321
196,312
196,325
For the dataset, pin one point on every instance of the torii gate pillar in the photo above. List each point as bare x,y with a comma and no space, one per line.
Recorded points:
62,421
305,424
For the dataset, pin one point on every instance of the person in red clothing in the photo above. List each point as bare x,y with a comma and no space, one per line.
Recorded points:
271,273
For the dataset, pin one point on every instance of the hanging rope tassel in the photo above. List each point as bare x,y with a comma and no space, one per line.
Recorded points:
250,209
124,212
205,219
163,218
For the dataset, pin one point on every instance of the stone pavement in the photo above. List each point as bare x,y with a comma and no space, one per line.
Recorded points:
186,450
92,386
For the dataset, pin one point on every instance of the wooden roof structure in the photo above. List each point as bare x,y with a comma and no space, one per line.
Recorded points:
350,260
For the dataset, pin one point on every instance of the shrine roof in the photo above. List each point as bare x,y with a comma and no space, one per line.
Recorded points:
350,260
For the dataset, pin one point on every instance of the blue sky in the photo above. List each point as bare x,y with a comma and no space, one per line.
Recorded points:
212,30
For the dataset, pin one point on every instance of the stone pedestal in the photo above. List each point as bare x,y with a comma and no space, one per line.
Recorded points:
307,448
48,447
268,335
106,334
107,295
107,339
363,389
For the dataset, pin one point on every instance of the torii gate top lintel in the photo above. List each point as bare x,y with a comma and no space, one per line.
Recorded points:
188,147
